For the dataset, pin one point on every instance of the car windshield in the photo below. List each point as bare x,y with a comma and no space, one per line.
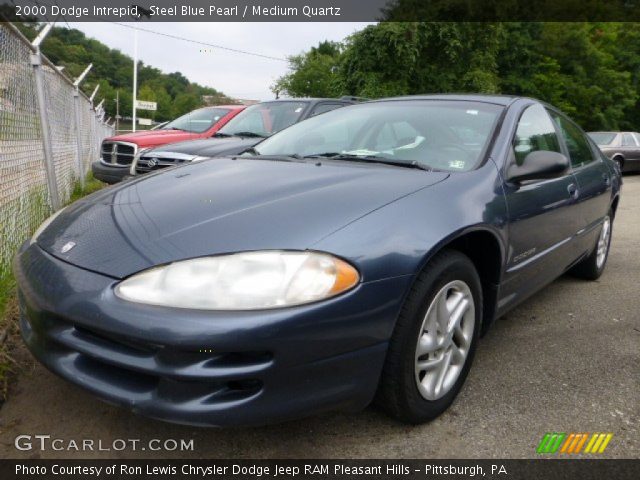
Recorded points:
198,121
433,134
265,119
603,138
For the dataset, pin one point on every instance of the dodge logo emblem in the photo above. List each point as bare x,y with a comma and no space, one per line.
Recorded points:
67,246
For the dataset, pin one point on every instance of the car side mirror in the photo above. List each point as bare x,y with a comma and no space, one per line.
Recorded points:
539,165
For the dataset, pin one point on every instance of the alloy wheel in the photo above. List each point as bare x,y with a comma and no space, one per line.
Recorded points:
603,242
444,340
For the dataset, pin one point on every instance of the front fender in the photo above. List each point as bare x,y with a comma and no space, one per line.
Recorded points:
400,238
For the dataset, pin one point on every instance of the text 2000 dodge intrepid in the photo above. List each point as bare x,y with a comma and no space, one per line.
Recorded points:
354,256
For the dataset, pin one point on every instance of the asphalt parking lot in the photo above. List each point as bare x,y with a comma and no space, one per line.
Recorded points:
567,360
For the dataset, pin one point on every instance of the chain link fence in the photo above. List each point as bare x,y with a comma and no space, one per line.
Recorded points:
29,188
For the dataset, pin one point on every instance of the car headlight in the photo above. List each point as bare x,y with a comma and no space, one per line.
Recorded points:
199,158
242,281
44,225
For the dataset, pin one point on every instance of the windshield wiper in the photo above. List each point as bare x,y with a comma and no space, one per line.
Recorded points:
221,135
370,159
253,153
249,134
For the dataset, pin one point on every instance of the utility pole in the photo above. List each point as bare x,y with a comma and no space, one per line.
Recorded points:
135,75
117,108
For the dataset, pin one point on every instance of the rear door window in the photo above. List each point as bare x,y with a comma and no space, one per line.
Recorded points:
628,140
580,152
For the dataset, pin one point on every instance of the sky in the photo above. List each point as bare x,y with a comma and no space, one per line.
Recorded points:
236,75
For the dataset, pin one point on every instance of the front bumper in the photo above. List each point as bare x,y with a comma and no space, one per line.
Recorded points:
108,174
206,368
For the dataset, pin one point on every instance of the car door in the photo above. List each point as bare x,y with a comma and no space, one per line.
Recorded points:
636,162
593,177
541,220
630,147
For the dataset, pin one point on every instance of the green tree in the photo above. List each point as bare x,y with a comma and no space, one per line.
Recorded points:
184,103
411,58
625,48
313,74
113,70
588,82
589,70
126,102
161,97
107,93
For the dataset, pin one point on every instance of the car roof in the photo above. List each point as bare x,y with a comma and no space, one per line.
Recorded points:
504,100
613,132
233,107
309,99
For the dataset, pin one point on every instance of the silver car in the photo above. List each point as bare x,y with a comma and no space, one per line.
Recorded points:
621,147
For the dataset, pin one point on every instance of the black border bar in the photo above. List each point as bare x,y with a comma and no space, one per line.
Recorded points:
321,10
566,469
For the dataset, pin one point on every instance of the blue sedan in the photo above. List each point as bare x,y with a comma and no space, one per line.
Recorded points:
357,256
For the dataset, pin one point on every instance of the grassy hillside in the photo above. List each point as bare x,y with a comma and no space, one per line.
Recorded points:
173,92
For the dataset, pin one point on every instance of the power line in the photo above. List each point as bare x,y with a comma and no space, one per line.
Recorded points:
197,42
176,37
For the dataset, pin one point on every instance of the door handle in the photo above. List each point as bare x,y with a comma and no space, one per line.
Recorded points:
573,190
607,179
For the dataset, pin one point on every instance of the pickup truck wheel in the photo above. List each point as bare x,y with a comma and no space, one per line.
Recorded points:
434,340
592,267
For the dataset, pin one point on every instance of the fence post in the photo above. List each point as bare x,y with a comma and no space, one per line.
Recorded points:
93,134
76,101
76,108
95,90
52,184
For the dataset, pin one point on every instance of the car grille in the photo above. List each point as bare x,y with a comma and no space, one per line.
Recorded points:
147,164
118,153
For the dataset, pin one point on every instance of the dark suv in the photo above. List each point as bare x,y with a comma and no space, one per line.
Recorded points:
246,130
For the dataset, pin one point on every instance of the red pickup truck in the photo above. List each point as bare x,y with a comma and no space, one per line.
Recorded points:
117,153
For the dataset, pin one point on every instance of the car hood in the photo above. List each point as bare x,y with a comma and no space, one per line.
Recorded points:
208,147
222,206
150,138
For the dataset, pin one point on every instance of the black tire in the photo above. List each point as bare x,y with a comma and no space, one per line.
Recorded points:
619,162
589,268
398,392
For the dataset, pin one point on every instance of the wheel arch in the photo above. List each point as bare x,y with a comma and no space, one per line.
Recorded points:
620,156
486,251
614,205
